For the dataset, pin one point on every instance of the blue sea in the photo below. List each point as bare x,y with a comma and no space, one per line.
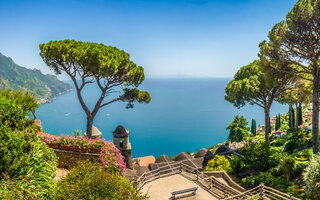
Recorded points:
183,115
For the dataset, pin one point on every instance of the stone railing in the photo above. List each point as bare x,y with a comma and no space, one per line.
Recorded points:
68,159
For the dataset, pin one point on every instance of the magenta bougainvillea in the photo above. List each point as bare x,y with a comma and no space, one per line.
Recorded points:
110,156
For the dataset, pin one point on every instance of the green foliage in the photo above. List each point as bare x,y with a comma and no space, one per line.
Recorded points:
300,117
24,100
109,67
16,77
278,122
236,163
278,182
256,155
311,177
256,84
219,163
291,118
77,132
12,116
238,129
291,49
287,166
89,181
254,127
291,145
27,165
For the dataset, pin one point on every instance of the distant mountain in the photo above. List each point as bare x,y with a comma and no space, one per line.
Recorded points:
44,87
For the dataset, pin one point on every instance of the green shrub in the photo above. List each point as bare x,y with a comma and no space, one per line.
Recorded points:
277,182
236,163
291,145
25,100
89,181
12,116
279,142
26,165
287,166
300,167
219,163
311,176
256,155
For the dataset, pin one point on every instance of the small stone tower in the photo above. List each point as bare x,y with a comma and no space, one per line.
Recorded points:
121,140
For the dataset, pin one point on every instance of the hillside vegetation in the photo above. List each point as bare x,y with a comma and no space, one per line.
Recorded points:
15,77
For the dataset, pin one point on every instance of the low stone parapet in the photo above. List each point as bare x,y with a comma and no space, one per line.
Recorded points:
68,159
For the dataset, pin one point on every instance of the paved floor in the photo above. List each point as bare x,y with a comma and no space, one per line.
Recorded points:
61,173
162,188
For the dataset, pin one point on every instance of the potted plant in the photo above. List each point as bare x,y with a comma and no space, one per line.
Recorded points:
95,145
81,144
66,143
51,140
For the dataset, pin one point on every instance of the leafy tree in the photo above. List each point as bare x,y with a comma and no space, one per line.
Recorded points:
297,95
311,177
254,85
25,100
238,129
219,163
253,127
110,68
294,48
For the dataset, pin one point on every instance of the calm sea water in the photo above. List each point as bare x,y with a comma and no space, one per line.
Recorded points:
183,115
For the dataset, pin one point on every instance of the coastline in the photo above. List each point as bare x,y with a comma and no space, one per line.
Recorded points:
46,100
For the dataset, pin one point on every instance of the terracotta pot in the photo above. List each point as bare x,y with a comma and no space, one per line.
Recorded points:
66,148
94,150
77,149
54,146
84,150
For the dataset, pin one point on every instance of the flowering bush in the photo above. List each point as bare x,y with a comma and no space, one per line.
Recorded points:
49,139
110,157
278,132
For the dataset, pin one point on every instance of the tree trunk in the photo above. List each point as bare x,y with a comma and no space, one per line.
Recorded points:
315,111
267,123
89,126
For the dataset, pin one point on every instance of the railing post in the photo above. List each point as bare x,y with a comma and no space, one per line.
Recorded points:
261,190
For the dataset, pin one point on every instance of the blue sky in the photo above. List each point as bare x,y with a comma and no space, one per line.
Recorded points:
177,38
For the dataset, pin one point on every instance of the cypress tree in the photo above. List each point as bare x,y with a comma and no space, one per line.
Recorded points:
293,117
279,123
300,119
290,117
253,127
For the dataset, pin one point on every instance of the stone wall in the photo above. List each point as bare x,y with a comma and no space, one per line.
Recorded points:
68,159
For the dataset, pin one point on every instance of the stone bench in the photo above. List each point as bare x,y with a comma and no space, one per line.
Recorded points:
193,190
